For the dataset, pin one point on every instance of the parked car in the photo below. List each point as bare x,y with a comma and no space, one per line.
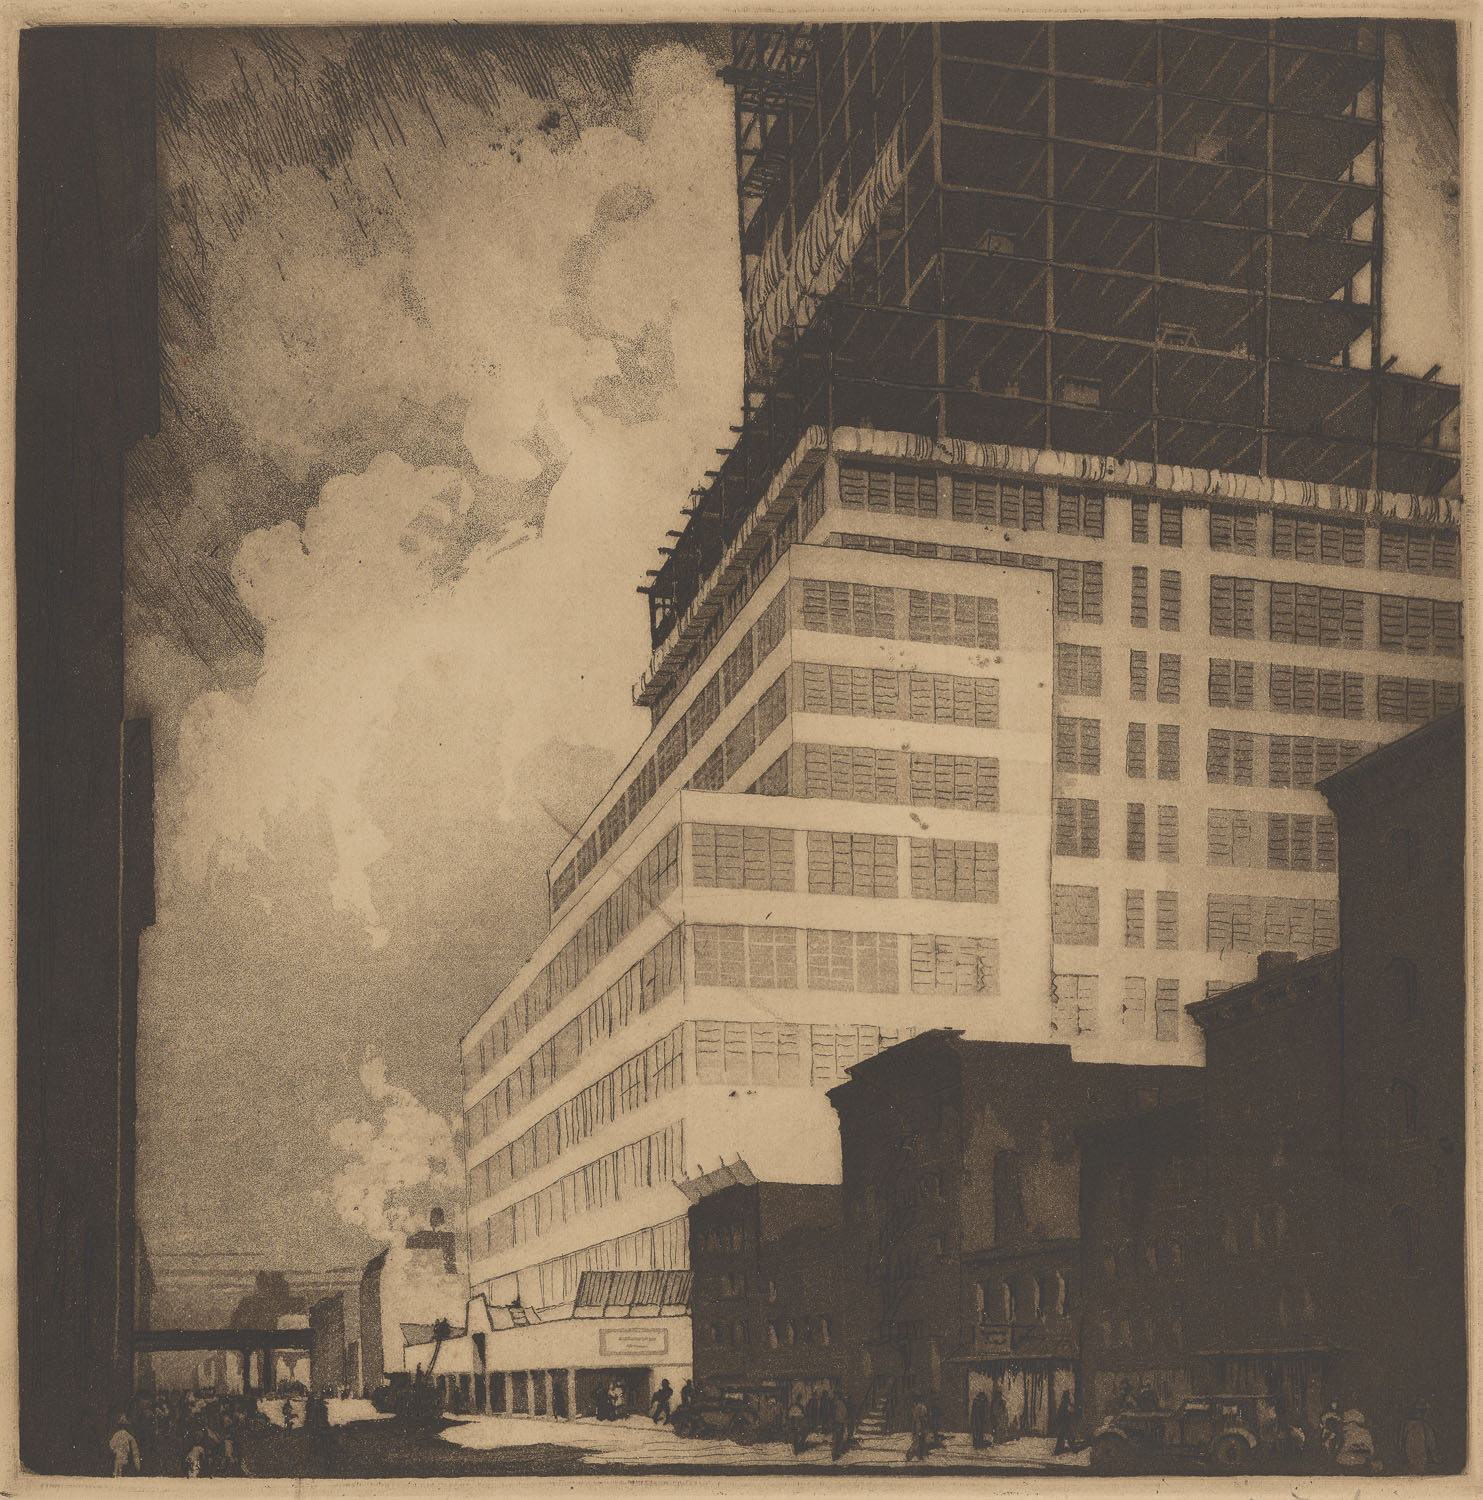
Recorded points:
738,1412
414,1403
1232,1434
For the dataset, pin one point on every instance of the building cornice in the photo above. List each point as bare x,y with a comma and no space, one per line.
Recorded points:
1297,984
1426,754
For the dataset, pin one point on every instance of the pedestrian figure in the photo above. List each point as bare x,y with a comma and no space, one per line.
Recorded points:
662,1397
1357,1446
1331,1425
124,1448
288,1413
839,1427
1418,1440
1125,1397
797,1424
615,1395
1064,1428
195,1461
921,1425
998,1415
978,1420
602,1404
934,1414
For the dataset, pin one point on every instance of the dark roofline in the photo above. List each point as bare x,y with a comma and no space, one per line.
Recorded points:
1398,756
1291,985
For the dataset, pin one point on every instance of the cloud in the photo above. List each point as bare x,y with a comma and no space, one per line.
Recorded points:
493,404
397,1170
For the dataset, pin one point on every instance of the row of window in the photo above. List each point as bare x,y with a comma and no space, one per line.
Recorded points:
651,883
1305,614
876,693
1019,1299
638,990
784,1053
739,857
856,773
655,1072
878,610
1075,1000
655,1161
768,958
1232,528
734,674
751,729
781,1332
1275,924
551,1283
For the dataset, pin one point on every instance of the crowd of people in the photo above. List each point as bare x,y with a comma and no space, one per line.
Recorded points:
177,1434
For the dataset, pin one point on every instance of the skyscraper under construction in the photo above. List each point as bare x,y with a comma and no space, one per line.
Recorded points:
1074,526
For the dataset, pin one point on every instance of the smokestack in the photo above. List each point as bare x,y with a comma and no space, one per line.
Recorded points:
435,1219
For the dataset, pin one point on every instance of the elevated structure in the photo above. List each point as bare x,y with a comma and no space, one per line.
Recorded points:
996,664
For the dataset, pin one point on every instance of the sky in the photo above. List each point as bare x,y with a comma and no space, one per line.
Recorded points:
450,327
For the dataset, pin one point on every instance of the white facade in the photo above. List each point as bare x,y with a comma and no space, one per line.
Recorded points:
1017,743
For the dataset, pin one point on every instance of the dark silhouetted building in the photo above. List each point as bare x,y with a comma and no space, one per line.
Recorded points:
1318,1193
774,1295
86,391
961,1182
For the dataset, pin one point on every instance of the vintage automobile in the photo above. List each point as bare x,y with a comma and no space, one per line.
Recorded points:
743,1413
1231,1434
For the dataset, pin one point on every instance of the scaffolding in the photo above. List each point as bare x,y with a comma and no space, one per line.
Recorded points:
1159,241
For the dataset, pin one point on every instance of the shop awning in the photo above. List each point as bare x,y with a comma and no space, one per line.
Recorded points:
632,1294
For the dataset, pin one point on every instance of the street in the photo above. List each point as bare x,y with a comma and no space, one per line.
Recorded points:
365,1445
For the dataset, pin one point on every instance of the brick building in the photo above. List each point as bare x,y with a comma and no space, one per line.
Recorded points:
961,1180
774,1299
1319,1190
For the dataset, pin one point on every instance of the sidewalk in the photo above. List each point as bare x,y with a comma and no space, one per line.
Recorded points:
636,1440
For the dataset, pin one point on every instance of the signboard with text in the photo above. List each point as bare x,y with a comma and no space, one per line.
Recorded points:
639,1340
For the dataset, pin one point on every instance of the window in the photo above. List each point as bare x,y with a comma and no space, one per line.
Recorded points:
1077,829
927,697
969,781
1311,690
1233,607
1231,683
1404,1106
1166,925
1230,835
849,773
1166,1010
1414,700
1074,1004
1408,549
954,870
772,958
1305,615
1080,513
774,1336
852,864
1300,761
846,608
1171,524
1420,627
1169,834
1132,919
1168,689
1138,614
1301,841
1074,911
1168,752
1169,596
1138,675
954,966
1078,746
1079,591
952,620
1135,1004
1400,989
1139,511
1404,1238
993,501
1137,755
1137,839
1232,529
1078,671
1318,541
718,955
731,856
